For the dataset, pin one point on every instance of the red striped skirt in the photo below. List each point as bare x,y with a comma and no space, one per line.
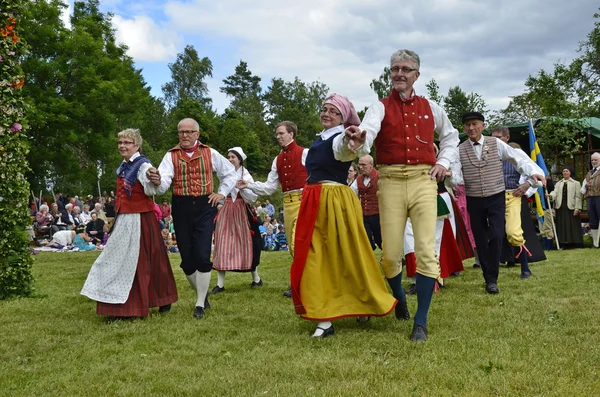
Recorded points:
233,240
153,284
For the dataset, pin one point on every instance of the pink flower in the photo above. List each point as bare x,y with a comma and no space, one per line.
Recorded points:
16,127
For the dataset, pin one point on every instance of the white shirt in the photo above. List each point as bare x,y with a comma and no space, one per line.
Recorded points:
150,189
585,181
248,195
267,188
224,169
447,134
523,163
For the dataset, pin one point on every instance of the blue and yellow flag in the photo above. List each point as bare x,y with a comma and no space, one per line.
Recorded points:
536,155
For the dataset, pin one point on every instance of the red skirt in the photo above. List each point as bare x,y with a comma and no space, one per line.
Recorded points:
153,284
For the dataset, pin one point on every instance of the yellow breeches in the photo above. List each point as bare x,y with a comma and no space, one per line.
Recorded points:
291,206
514,232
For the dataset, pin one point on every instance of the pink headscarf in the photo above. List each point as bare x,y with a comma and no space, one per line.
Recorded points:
346,108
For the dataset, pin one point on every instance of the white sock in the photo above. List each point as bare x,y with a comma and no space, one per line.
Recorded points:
322,325
192,279
203,282
413,279
255,276
220,278
476,258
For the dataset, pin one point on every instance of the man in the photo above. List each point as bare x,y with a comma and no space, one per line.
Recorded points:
590,188
95,229
67,217
514,202
101,214
189,166
288,171
481,158
365,186
269,208
402,127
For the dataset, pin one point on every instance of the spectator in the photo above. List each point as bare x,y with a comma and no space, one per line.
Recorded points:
77,218
98,210
95,228
44,219
269,208
109,207
270,243
78,202
85,214
165,209
158,214
281,239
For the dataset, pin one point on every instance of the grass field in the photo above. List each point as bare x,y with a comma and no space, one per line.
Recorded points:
538,337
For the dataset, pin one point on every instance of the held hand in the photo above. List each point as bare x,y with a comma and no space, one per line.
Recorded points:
539,178
213,198
153,175
439,172
241,184
356,138
521,190
576,212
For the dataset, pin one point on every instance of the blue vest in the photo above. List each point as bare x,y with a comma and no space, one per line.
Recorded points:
321,165
511,176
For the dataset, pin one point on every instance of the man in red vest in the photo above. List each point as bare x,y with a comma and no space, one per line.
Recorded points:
189,166
365,186
288,171
402,127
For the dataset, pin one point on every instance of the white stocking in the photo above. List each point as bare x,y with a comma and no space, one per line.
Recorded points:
220,278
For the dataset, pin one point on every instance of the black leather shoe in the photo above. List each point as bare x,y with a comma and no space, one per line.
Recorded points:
510,264
412,289
199,312
419,333
288,293
206,302
402,312
326,332
491,288
525,275
165,308
254,284
216,290
476,265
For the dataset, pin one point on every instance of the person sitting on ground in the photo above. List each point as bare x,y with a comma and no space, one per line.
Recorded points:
270,243
95,228
43,219
85,214
281,239
100,212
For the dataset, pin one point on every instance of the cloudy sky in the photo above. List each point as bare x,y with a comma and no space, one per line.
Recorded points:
483,46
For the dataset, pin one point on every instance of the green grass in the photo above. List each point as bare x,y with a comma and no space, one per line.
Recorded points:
538,337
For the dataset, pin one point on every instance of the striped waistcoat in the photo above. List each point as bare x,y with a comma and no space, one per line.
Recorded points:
483,178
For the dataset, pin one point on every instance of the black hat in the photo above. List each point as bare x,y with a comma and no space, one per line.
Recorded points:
472,116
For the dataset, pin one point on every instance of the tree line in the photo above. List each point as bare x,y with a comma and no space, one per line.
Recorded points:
82,88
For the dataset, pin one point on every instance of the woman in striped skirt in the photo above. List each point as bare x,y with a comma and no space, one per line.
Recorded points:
237,238
133,273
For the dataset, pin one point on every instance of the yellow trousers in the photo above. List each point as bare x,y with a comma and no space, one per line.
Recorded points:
514,232
291,206
408,191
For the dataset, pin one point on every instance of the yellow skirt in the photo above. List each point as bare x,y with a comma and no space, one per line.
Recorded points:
341,276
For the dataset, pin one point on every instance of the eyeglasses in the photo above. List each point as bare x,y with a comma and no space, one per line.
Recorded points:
124,143
186,132
362,165
330,112
405,70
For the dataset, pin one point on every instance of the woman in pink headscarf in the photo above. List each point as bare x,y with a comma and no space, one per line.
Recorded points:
334,273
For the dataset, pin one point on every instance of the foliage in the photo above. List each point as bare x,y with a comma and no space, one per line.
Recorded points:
457,103
530,340
560,137
382,85
433,92
15,260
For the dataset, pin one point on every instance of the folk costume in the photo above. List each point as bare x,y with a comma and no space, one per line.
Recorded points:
366,189
133,272
592,196
191,173
567,198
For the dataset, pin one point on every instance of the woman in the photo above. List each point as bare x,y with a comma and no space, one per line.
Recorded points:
334,273
44,219
133,273
237,237
567,198
352,172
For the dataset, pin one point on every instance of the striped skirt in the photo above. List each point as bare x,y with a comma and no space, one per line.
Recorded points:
233,240
153,284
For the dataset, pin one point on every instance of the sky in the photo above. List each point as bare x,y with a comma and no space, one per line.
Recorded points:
488,47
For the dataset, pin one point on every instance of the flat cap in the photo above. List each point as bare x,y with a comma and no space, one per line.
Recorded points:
473,116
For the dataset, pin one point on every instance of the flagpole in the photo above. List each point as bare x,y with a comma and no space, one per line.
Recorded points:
551,217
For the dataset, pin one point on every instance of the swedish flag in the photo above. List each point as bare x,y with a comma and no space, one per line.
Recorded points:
536,155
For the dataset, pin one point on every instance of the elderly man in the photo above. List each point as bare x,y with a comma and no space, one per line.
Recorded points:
100,212
189,166
482,167
288,171
402,127
365,187
590,188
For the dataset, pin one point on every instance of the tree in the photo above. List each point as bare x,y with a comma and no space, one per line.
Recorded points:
15,260
433,92
383,85
457,103
188,74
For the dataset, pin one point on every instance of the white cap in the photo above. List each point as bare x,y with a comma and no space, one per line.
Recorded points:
239,151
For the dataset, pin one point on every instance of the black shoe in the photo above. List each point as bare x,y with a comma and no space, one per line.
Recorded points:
165,308
491,288
326,332
476,265
254,284
402,312
412,290
199,312
419,333
510,264
288,293
363,319
525,275
206,302
216,290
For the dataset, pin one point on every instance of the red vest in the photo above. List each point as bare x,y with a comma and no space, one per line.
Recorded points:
193,175
138,202
368,193
292,174
407,132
